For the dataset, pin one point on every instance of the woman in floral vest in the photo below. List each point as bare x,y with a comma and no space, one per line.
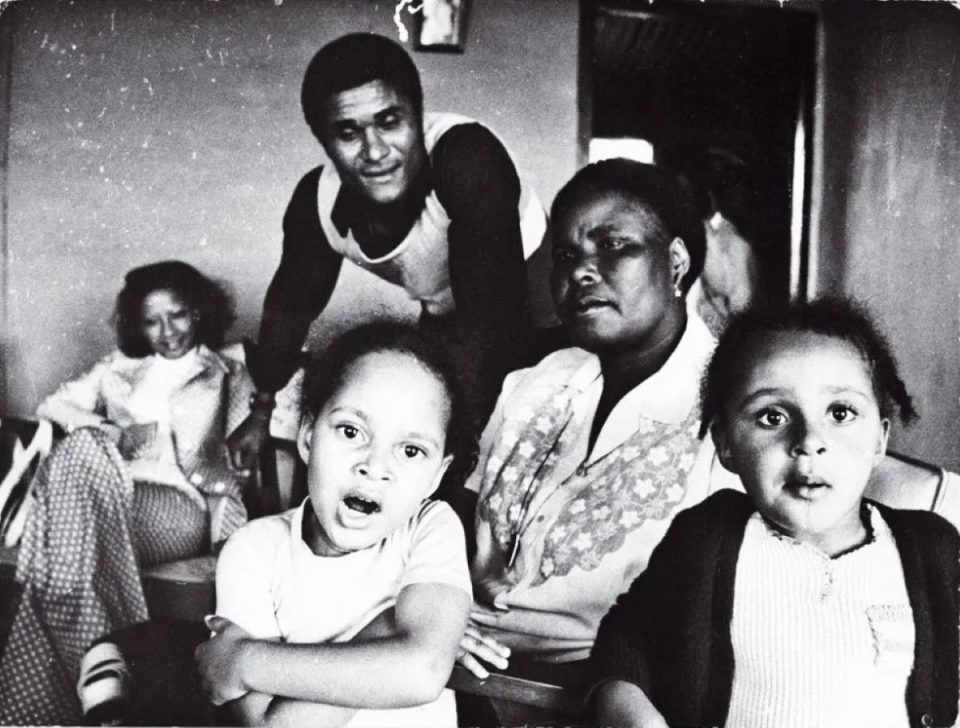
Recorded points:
590,453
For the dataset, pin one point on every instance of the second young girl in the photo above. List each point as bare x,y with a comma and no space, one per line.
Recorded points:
351,607
800,603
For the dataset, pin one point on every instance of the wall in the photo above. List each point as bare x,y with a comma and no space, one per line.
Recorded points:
889,228
143,130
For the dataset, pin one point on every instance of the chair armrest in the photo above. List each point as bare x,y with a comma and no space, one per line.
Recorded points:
904,482
176,590
514,690
948,500
181,589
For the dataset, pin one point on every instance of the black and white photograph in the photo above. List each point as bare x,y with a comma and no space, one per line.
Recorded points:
382,363
442,26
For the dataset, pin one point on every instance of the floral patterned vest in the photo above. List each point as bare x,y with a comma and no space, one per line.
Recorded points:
643,478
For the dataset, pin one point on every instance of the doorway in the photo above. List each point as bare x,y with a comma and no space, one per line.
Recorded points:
722,94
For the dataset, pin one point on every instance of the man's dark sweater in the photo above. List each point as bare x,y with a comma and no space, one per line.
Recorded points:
477,184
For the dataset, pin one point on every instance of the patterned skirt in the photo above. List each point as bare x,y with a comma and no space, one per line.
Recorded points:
88,530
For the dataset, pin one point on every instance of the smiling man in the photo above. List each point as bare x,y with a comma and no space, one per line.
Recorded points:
429,202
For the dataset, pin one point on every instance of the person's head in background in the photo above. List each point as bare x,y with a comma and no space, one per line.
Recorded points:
799,400
739,264
627,246
383,421
168,308
362,98
721,182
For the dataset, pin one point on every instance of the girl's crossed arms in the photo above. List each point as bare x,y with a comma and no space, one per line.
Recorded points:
357,600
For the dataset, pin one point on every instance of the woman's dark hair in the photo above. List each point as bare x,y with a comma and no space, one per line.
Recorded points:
351,61
657,189
838,318
211,304
325,374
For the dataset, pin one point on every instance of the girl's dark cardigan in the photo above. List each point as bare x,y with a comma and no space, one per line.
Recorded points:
670,633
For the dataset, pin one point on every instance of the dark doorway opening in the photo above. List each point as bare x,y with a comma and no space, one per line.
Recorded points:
714,82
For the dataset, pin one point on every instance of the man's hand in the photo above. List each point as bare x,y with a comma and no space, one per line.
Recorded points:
218,660
244,443
476,644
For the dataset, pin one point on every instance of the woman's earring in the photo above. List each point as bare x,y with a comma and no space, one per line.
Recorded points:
677,293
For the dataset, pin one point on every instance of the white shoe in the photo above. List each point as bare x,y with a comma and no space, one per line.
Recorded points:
103,686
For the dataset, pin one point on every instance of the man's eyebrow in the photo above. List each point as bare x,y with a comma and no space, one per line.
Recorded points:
389,111
350,122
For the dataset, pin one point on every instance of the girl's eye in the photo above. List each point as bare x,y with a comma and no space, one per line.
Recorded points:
771,418
349,432
841,413
181,315
412,452
561,255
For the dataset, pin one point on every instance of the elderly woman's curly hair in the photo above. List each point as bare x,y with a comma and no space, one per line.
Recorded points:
210,302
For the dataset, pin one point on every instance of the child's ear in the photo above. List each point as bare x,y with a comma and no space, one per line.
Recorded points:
304,438
883,439
444,464
722,443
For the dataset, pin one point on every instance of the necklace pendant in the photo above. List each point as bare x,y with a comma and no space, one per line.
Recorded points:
581,470
514,550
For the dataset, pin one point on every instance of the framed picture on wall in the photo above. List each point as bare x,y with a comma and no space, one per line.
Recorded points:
442,26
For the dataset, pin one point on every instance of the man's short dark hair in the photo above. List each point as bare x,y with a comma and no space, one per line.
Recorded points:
351,61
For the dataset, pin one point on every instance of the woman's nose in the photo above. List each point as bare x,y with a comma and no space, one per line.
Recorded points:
585,270
808,440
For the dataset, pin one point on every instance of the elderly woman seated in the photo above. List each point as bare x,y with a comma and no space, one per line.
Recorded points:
141,479
590,453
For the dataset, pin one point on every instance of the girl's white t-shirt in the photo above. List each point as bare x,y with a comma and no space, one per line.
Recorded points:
271,584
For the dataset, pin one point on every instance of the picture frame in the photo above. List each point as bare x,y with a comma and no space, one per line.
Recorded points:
442,26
